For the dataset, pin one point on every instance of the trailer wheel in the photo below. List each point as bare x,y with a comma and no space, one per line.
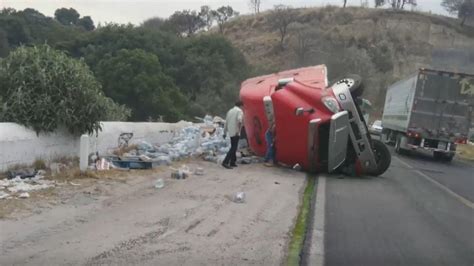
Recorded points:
382,157
442,156
354,82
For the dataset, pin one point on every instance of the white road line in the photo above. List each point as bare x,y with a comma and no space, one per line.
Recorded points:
402,162
316,251
463,200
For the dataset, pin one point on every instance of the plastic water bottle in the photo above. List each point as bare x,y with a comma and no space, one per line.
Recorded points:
239,197
159,183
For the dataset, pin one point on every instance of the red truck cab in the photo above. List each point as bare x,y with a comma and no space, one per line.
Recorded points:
317,126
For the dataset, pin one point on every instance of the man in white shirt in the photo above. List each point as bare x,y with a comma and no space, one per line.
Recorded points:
233,124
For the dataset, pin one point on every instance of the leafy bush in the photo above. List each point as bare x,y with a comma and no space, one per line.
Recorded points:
135,77
44,89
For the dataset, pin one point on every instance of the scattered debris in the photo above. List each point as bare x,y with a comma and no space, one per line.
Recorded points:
199,171
277,183
74,184
19,185
250,160
204,140
22,173
239,197
297,167
4,195
102,164
159,183
144,158
182,173
132,164
24,195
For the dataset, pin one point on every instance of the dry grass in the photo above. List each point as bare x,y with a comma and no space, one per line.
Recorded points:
39,164
465,151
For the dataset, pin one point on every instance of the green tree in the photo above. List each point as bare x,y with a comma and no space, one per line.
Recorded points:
67,16
466,11
280,18
206,64
185,23
32,27
87,23
305,40
207,17
211,72
452,6
135,78
44,89
153,23
4,46
16,30
222,15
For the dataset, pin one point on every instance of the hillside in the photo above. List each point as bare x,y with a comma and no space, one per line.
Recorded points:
381,45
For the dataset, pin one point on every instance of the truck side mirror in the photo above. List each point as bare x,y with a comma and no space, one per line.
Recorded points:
299,111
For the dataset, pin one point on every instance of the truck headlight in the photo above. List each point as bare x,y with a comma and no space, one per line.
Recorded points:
331,104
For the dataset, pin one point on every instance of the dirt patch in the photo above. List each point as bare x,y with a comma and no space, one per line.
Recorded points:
125,220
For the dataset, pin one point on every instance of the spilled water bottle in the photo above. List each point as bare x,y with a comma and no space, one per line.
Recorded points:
239,197
159,183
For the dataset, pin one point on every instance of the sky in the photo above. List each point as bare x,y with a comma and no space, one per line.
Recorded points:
136,11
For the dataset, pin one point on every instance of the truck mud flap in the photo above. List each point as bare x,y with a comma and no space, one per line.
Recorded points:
338,137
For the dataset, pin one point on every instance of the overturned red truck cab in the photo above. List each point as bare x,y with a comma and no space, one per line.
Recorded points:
319,127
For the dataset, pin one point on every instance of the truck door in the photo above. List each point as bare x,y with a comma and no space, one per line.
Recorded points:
440,108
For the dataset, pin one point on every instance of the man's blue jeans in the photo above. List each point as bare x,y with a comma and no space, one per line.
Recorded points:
270,153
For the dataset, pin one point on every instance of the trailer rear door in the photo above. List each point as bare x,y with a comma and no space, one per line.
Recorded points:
442,103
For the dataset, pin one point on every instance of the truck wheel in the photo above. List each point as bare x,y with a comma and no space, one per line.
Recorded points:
356,87
448,158
382,157
440,156
437,155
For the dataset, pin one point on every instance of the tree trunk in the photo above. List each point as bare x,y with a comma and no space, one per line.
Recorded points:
345,3
282,39
463,20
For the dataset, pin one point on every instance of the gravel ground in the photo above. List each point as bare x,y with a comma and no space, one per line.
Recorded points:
188,222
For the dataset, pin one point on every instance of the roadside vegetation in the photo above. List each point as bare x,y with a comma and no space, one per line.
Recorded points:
381,45
465,151
299,232
152,72
192,63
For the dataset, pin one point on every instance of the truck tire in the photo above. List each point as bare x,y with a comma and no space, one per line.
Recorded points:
448,158
382,157
441,156
356,88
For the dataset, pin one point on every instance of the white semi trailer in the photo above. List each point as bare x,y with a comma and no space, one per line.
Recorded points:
430,110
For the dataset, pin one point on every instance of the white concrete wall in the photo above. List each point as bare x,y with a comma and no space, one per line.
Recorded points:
20,145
